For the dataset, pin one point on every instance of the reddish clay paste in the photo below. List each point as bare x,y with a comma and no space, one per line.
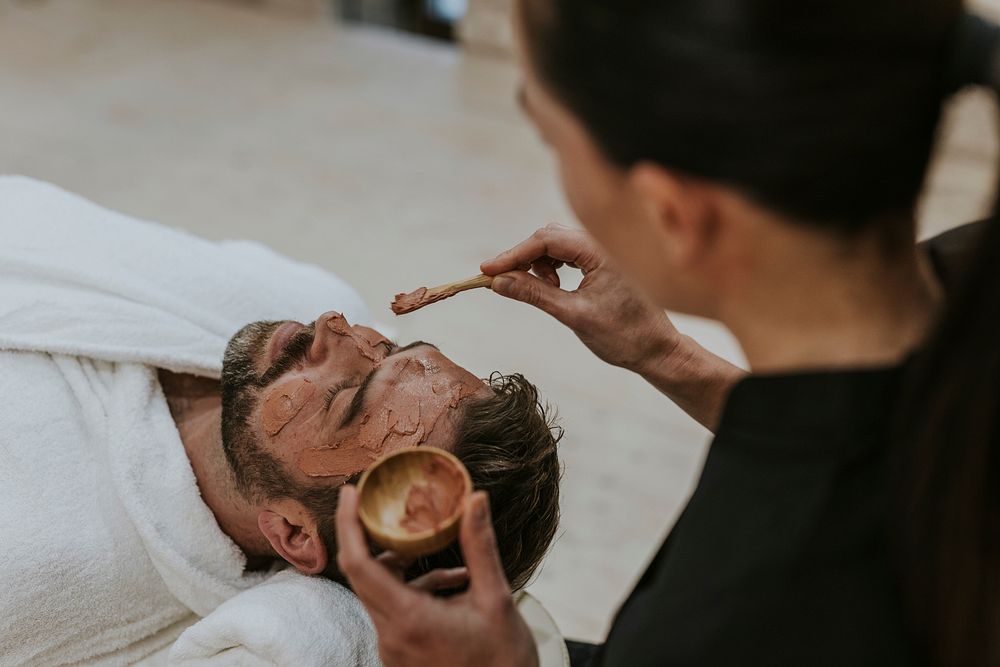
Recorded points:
429,505
407,303
406,418
284,402
365,342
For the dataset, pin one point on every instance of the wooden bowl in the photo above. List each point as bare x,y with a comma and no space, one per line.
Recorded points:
383,494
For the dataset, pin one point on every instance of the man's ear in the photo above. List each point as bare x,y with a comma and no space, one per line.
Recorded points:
294,535
679,208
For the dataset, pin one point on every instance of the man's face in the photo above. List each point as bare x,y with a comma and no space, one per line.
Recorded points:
327,399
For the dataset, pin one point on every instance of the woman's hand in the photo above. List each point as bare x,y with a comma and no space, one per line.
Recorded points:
612,318
478,628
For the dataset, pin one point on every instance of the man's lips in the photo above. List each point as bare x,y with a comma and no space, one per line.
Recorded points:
280,338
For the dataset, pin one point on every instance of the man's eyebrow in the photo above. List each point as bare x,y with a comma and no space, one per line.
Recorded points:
358,400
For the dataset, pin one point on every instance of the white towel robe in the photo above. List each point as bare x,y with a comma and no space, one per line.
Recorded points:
107,548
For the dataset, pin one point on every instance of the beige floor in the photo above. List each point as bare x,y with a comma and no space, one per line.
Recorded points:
394,162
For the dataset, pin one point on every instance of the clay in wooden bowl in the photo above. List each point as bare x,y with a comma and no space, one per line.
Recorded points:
411,500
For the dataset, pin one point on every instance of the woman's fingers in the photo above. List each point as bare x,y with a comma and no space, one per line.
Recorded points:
546,270
398,563
479,548
558,243
429,582
439,580
539,293
377,588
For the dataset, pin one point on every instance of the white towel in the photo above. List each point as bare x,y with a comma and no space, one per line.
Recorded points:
108,547
290,619
79,279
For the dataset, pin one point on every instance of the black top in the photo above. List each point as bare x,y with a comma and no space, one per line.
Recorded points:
781,555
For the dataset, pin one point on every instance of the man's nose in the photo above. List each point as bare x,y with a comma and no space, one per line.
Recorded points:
330,328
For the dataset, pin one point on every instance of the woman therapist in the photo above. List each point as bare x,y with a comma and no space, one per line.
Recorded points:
756,162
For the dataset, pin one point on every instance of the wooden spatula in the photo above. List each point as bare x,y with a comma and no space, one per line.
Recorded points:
410,301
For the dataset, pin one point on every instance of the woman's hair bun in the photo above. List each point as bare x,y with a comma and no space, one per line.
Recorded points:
975,54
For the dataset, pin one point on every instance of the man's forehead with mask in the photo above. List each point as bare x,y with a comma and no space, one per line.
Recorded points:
413,402
410,399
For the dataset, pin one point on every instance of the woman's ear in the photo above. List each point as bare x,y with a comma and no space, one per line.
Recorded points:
294,535
680,210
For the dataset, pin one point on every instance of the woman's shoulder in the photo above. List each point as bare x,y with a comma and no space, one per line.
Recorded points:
951,252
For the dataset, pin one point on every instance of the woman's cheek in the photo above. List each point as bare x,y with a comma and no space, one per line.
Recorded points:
576,192
592,202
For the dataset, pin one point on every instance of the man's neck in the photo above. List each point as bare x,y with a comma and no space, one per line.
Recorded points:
196,406
834,309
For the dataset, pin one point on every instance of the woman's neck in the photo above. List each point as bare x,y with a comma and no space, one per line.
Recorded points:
828,306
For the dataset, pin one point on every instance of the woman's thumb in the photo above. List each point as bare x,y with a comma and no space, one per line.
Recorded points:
524,287
479,547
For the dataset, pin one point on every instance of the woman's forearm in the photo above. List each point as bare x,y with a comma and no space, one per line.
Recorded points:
697,380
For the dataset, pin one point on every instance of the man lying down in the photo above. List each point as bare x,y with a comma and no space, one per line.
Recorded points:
161,455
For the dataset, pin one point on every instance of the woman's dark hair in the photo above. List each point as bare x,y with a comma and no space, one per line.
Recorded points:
948,440
947,512
824,111
827,112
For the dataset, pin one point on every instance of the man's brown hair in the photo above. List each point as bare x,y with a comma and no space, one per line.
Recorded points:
507,441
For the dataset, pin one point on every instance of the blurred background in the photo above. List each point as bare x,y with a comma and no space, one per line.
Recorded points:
380,139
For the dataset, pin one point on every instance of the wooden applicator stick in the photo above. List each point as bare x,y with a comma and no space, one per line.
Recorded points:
409,302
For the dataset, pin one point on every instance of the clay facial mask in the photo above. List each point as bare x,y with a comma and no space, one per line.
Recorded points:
283,402
366,341
430,504
419,395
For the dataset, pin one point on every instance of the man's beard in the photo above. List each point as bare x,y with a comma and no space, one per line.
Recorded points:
257,473
238,368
